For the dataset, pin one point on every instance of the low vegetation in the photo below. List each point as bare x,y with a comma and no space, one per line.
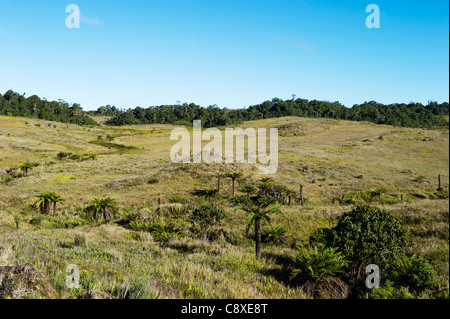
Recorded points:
138,226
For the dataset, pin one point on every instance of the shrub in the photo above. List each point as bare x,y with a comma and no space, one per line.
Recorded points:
419,275
274,234
36,220
160,232
390,200
440,194
153,180
317,270
208,214
75,157
177,199
366,235
319,262
63,155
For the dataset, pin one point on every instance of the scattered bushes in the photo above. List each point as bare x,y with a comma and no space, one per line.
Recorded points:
76,157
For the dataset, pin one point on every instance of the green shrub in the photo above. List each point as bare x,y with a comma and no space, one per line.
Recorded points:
63,155
319,262
440,194
274,234
177,200
389,200
208,214
160,232
36,220
317,270
75,157
366,235
419,275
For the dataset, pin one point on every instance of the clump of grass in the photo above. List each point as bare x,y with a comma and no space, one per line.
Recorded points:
177,199
79,240
160,232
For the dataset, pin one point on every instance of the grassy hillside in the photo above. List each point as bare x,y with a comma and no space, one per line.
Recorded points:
339,163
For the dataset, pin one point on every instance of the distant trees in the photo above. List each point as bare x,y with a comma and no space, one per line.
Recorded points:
399,114
15,104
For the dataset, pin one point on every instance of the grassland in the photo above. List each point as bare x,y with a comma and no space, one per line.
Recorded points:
332,159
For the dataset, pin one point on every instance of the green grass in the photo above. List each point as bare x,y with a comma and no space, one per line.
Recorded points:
344,160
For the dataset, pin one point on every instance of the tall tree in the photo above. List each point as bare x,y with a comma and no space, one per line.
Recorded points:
258,210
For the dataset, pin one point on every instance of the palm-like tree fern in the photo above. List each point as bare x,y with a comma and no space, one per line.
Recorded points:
25,167
207,193
248,189
44,201
104,207
233,176
258,210
55,199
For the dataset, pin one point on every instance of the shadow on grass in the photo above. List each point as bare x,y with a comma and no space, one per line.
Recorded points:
281,273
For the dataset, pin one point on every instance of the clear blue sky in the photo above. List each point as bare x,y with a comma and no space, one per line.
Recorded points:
233,53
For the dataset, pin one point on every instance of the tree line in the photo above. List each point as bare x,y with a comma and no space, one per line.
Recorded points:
397,114
15,104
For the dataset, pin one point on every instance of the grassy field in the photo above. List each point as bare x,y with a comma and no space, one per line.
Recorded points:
339,163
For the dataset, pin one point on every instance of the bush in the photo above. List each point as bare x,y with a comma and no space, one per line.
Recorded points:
160,232
390,200
317,270
419,275
208,214
177,200
63,155
274,234
366,235
320,262
75,157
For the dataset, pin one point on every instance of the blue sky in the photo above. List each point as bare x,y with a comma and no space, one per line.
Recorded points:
233,53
